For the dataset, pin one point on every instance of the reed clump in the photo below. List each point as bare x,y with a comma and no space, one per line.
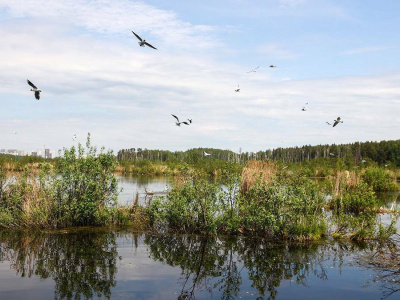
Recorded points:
257,170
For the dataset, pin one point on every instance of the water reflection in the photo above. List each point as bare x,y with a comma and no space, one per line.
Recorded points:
81,264
84,264
132,185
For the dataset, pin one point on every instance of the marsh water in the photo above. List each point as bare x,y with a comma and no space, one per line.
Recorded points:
119,263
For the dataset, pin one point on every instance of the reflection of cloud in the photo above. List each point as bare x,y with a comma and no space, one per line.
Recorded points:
363,50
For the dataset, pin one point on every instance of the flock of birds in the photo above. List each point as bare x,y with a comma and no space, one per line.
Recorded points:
143,43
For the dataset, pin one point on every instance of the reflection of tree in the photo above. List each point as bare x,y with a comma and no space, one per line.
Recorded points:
82,264
205,260
385,259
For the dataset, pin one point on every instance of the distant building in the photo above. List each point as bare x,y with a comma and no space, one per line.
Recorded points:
34,153
47,153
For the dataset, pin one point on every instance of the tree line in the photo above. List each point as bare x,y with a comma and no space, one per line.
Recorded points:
383,153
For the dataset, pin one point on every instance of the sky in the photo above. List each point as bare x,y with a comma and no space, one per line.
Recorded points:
339,56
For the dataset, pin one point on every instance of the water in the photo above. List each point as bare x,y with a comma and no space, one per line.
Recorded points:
131,185
123,264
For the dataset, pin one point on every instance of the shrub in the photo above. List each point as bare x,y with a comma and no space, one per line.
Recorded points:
380,180
86,189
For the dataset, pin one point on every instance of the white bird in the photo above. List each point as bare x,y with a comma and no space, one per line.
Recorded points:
331,154
363,161
74,137
206,154
178,123
238,89
190,121
35,90
284,167
142,43
253,70
337,121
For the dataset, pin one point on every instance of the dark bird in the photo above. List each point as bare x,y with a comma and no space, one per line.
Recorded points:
272,66
35,90
142,43
304,108
337,121
178,123
238,89
328,123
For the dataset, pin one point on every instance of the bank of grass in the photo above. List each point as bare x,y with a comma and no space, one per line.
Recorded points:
264,199
270,202
80,191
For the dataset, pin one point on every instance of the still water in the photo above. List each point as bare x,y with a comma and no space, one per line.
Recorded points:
123,264
132,185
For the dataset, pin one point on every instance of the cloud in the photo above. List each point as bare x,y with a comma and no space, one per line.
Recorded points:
116,18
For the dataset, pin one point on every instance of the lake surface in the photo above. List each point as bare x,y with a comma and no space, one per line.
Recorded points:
123,264
130,185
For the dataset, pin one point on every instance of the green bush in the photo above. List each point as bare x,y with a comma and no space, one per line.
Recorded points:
289,209
86,189
380,180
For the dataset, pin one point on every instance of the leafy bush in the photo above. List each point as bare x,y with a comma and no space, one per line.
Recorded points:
86,189
380,180
289,209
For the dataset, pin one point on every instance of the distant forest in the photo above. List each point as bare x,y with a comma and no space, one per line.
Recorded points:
384,152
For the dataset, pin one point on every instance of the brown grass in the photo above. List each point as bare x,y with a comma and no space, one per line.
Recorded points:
345,179
266,170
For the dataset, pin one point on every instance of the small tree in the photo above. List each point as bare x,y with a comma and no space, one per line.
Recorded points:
86,189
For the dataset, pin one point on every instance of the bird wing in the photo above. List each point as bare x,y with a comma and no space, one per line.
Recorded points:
184,122
175,117
37,95
31,84
336,122
139,38
146,43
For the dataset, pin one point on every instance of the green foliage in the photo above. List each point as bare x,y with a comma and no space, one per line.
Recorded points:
354,214
86,189
192,207
290,209
380,180
81,191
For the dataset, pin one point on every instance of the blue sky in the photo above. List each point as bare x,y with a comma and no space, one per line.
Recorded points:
341,57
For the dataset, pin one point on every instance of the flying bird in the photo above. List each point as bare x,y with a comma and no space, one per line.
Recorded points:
304,108
178,123
142,43
328,123
238,89
337,121
331,154
272,66
206,154
253,70
190,121
74,137
35,90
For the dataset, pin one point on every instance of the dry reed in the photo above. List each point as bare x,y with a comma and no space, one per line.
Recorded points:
254,170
